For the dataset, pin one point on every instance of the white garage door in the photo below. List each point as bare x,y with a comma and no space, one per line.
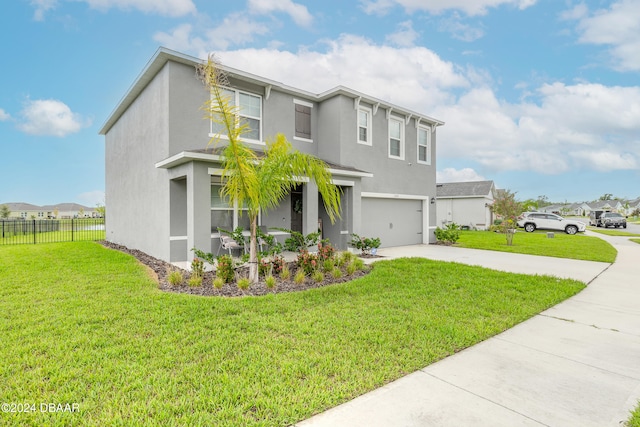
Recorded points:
396,222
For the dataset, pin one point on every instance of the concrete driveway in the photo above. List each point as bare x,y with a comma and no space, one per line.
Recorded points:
576,364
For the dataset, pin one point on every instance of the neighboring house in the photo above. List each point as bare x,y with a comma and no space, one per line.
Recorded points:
466,203
59,211
381,155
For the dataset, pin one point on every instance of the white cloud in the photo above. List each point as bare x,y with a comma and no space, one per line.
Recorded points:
617,27
458,175
160,7
405,36
299,13
50,117
469,7
460,30
182,38
4,116
92,198
42,6
414,77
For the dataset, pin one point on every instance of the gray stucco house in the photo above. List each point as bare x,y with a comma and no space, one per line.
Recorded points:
466,203
157,161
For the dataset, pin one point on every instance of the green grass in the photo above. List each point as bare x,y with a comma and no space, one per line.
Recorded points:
613,232
634,420
87,325
561,246
635,240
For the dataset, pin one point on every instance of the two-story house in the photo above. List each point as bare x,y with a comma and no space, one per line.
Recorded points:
158,161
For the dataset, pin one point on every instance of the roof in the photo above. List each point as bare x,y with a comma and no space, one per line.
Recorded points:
65,207
464,189
163,55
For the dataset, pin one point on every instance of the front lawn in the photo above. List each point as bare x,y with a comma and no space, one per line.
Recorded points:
561,245
634,420
82,324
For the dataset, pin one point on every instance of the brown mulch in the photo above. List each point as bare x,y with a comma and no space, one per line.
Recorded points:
162,269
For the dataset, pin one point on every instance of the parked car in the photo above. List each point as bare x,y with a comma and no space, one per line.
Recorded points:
549,221
612,219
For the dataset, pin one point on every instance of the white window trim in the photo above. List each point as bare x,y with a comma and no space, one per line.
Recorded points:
236,94
427,129
369,112
402,137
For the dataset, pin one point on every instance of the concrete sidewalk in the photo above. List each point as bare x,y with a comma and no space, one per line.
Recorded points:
576,364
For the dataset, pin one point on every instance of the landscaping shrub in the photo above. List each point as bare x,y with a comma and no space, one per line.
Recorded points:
271,266
325,250
270,282
351,268
336,273
449,234
175,278
317,276
244,283
299,277
195,280
365,244
218,283
197,267
225,269
327,265
307,261
285,274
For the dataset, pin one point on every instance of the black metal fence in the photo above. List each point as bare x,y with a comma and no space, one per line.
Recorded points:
33,231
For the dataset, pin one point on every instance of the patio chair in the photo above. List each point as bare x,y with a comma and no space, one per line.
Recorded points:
228,244
261,241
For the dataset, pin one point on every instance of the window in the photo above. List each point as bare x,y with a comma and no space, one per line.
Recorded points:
303,120
396,138
424,145
364,126
224,215
250,113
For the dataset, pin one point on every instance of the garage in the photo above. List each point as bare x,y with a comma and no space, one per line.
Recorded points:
397,222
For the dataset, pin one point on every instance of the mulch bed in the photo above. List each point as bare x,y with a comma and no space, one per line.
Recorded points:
162,269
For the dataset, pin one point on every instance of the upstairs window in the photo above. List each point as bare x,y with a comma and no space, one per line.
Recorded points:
396,138
364,126
424,145
249,112
303,120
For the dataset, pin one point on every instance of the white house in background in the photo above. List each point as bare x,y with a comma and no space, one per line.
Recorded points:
60,211
465,203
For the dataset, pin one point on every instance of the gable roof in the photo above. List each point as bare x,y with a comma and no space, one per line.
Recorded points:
464,189
163,55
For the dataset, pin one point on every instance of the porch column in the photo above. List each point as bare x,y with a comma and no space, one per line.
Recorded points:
356,224
310,208
198,209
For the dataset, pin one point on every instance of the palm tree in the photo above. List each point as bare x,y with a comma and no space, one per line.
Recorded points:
258,182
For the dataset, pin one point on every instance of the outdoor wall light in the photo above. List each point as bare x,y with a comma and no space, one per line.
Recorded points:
433,200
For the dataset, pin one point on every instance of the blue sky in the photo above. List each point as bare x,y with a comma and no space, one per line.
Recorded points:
541,96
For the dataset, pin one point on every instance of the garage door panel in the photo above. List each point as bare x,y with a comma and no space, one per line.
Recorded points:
395,222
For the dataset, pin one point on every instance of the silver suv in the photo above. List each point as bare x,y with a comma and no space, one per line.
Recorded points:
612,219
549,221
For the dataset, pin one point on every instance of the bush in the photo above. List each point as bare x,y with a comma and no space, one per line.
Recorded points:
225,269
299,277
351,268
273,266
218,283
244,283
327,265
195,280
449,234
197,267
358,263
176,278
307,262
285,274
317,276
365,244
325,250
336,273
270,282
298,241
345,258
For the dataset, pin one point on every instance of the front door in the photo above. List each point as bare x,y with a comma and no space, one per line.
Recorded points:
296,209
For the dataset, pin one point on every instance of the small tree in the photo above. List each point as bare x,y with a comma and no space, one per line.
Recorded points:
507,208
258,182
4,211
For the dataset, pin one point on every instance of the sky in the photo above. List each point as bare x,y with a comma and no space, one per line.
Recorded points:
540,96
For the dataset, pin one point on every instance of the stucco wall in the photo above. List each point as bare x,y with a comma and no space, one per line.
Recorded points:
137,194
